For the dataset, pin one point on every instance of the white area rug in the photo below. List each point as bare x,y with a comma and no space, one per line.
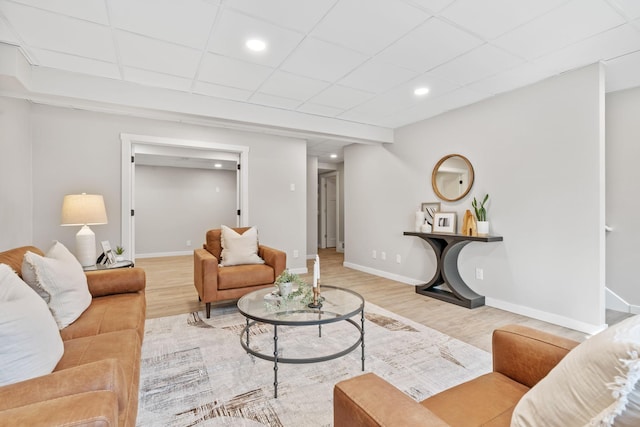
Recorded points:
195,372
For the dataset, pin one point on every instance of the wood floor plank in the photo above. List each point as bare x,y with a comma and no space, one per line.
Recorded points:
170,291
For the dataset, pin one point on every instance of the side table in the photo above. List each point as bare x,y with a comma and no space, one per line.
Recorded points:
118,264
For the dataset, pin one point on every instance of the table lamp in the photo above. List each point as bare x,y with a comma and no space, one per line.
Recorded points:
85,210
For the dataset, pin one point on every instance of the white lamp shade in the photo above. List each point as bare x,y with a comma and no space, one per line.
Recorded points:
83,209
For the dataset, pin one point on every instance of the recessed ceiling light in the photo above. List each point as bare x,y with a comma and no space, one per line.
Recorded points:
421,91
334,156
217,165
256,45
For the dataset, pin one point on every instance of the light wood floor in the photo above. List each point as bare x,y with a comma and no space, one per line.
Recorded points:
170,291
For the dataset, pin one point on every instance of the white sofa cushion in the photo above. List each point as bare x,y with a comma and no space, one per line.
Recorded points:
597,383
238,249
59,279
30,341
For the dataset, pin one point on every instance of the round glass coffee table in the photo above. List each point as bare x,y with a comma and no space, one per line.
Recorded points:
338,304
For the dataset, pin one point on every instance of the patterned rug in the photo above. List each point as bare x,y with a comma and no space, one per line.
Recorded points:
195,372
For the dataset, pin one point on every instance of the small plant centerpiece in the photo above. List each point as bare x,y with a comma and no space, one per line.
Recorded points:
481,215
119,252
285,285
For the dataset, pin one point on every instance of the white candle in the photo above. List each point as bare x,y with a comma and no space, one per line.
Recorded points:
318,264
315,274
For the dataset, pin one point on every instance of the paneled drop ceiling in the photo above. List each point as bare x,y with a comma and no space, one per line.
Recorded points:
339,62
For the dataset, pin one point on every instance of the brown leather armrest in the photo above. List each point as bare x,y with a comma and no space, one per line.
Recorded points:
95,408
274,258
205,274
527,355
117,281
105,374
369,401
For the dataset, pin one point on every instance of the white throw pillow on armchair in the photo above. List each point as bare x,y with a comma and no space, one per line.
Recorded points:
596,384
30,343
59,279
238,249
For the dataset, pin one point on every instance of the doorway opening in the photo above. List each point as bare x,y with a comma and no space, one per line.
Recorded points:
329,212
162,152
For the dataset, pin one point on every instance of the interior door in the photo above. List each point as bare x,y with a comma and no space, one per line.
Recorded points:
330,217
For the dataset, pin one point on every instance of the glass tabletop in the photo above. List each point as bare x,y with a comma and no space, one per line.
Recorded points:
266,306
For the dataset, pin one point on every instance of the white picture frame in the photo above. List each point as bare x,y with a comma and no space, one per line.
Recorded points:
444,222
110,256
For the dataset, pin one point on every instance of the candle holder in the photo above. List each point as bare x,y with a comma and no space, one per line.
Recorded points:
317,301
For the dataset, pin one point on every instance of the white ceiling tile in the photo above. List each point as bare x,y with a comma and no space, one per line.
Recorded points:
274,101
431,44
234,29
491,18
319,110
430,5
7,35
89,10
149,78
481,62
185,22
76,64
358,117
608,45
321,60
292,86
154,55
559,28
376,76
341,97
55,32
368,26
630,8
517,77
403,97
622,72
218,91
232,72
294,14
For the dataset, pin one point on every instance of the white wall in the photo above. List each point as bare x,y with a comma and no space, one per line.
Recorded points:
312,206
538,152
16,207
76,151
174,206
623,203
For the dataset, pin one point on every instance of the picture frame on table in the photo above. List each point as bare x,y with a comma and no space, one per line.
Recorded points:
109,255
444,222
430,209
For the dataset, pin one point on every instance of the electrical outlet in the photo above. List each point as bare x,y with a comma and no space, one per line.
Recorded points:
479,274
188,242
373,254
295,253
398,259
383,256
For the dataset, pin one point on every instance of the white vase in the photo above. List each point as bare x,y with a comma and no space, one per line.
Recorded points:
285,289
425,228
419,221
483,228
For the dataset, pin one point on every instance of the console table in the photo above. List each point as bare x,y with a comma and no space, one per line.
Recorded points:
447,247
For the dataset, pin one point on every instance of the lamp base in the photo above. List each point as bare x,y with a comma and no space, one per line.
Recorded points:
86,246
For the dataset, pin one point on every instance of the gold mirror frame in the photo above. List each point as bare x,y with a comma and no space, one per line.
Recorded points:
434,176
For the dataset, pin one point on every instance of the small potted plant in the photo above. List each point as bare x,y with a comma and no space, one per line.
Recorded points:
481,215
119,253
286,280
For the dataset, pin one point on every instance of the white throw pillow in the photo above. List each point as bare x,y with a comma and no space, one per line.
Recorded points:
239,249
59,279
596,384
30,343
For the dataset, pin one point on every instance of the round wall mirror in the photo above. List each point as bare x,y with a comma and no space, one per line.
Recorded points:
452,177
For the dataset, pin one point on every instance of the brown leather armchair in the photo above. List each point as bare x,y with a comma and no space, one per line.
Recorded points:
215,283
521,357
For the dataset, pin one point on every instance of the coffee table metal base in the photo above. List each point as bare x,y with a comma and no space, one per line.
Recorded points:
244,340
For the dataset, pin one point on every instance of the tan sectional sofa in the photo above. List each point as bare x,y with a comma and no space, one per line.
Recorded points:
96,381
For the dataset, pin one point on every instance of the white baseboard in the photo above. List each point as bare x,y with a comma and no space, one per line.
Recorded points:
587,328
163,254
385,274
616,302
